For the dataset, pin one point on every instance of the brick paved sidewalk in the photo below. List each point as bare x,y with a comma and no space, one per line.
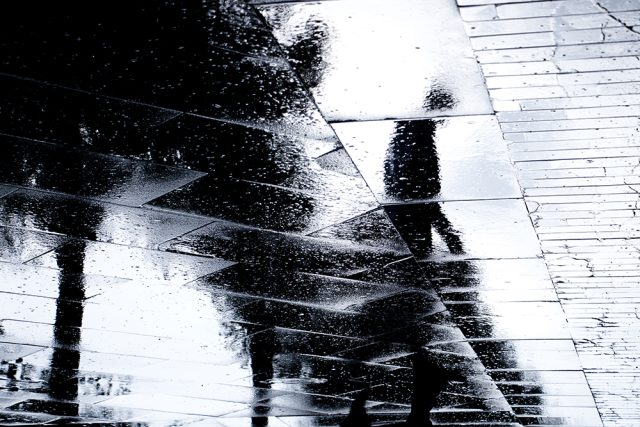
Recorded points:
563,78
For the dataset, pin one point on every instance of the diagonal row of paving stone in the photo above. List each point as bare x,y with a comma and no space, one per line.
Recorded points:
186,239
563,77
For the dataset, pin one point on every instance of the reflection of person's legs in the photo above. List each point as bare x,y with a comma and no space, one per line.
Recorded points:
262,348
445,230
358,414
428,382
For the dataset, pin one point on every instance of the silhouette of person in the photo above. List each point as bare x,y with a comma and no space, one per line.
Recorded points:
429,381
412,172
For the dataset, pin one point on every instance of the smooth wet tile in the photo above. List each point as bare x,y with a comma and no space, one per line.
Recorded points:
274,283
130,263
45,282
491,280
401,309
210,343
332,257
19,245
325,375
177,404
9,351
399,64
511,320
35,110
264,206
558,355
371,229
92,220
470,229
234,150
6,189
458,158
144,132
81,173
294,341
17,418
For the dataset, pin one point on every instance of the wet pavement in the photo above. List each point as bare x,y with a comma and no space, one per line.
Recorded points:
343,212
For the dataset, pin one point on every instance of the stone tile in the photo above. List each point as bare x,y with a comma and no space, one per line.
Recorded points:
273,283
44,282
234,150
547,8
371,229
12,417
20,245
538,25
53,167
71,216
523,68
138,131
395,47
620,6
433,167
479,13
286,251
557,355
291,341
177,404
12,352
279,208
6,189
46,112
462,230
492,280
95,337
544,125
130,263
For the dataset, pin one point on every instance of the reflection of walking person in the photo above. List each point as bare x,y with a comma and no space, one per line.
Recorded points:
428,382
412,172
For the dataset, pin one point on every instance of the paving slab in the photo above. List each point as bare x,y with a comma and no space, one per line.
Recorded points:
461,158
390,68
82,218
48,166
466,230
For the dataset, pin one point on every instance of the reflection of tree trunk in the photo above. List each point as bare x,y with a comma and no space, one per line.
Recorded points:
65,361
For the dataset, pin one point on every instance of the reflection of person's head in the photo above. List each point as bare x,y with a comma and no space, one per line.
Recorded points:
439,98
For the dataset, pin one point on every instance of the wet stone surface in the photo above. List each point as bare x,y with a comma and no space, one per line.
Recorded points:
439,159
202,76
399,63
52,167
186,240
470,229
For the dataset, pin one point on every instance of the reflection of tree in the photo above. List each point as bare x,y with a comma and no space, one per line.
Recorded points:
307,51
72,218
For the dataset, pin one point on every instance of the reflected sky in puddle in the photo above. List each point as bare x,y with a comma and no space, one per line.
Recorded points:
439,159
390,67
